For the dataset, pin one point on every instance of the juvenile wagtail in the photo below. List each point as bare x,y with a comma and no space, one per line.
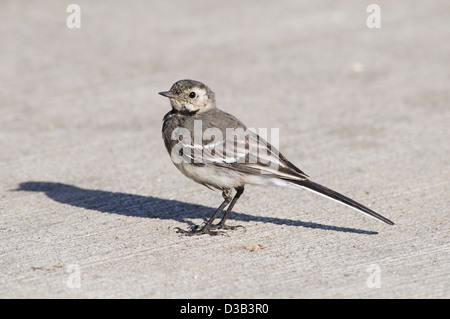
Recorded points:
197,136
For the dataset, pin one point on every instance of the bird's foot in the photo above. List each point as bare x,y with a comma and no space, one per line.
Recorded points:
226,227
200,231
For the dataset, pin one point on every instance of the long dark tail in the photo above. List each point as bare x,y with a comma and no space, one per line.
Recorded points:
322,190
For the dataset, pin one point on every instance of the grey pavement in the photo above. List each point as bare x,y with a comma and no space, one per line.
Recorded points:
90,202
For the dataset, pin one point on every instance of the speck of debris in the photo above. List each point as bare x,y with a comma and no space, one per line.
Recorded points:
52,268
256,247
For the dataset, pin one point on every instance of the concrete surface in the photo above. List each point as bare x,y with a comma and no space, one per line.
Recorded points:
89,200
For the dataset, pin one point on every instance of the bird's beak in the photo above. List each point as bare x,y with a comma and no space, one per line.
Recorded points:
168,94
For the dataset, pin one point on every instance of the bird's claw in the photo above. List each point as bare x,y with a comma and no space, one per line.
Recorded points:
201,231
226,227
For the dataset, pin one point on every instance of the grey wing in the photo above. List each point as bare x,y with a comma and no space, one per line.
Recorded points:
244,151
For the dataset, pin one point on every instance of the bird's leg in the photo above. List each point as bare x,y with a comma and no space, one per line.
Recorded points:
221,224
207,228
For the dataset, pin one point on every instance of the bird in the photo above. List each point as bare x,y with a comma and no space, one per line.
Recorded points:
215,149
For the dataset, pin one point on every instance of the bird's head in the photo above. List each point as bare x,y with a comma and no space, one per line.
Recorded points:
190,96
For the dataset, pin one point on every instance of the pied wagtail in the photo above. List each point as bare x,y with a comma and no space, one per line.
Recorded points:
221,162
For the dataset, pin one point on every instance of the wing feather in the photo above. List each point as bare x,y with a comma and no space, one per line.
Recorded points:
243,151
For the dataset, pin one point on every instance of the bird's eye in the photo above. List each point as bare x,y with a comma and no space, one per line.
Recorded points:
192,95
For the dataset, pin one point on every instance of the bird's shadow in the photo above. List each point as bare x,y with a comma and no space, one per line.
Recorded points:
153,207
